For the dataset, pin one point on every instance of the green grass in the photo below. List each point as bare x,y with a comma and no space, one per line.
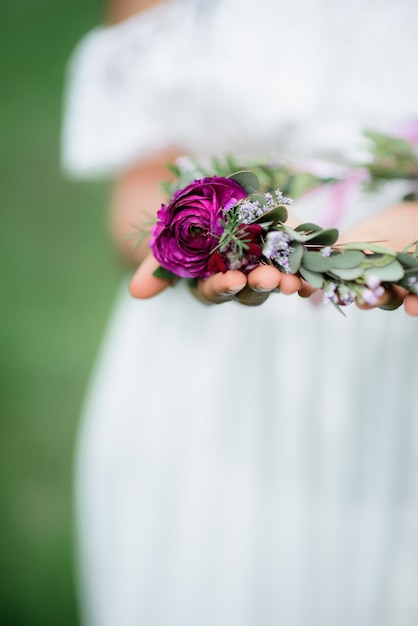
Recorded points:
58,281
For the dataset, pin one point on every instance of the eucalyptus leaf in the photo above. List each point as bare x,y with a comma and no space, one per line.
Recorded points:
295,257
258,197
410,280
407,260
412,273
346,260
377,260
164,274
191,282
275,216
371,247
316,262
324,238
248,180
308,227
316,280
347,274
295,235
391,272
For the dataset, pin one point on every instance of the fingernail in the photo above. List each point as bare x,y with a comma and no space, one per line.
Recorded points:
263,288
232,290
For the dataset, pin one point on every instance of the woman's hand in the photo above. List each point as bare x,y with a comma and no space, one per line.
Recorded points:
411,304
252,289
395,227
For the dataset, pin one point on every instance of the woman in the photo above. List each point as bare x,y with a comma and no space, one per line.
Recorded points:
242,465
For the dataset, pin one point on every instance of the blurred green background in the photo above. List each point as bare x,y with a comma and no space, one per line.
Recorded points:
58,282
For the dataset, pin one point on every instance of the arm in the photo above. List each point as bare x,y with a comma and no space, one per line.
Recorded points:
120,10
137,195
396,227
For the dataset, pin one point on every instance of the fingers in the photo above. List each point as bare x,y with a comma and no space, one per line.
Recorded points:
267,278
249,297
411,304
144,284
393,298
264,278
251,290
220,287
306,290
263,281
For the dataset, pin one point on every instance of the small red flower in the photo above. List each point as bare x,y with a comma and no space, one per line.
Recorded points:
217,263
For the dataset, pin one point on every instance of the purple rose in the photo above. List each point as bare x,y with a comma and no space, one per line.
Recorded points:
186,233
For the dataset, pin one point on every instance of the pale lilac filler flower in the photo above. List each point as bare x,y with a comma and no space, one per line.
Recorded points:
281,199
371,296
373,290
338,293
269,200
277,249
413,284
346,295
373,282
330,293
250,210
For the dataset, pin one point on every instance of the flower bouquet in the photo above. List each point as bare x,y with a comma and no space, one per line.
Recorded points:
237,221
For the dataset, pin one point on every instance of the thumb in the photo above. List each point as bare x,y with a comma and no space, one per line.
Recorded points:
144,284
411,304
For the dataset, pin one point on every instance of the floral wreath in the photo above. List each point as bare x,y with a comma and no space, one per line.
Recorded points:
229,217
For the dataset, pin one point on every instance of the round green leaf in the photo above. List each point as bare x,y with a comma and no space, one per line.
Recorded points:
346,260
164,274
295,257
347,274
371,247
258,197
248,180
276,215
409,280
391,272
324,237
308,227
316,262
295,235
377,260
316,280
407,260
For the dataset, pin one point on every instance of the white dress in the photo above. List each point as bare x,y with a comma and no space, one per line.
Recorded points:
248,466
